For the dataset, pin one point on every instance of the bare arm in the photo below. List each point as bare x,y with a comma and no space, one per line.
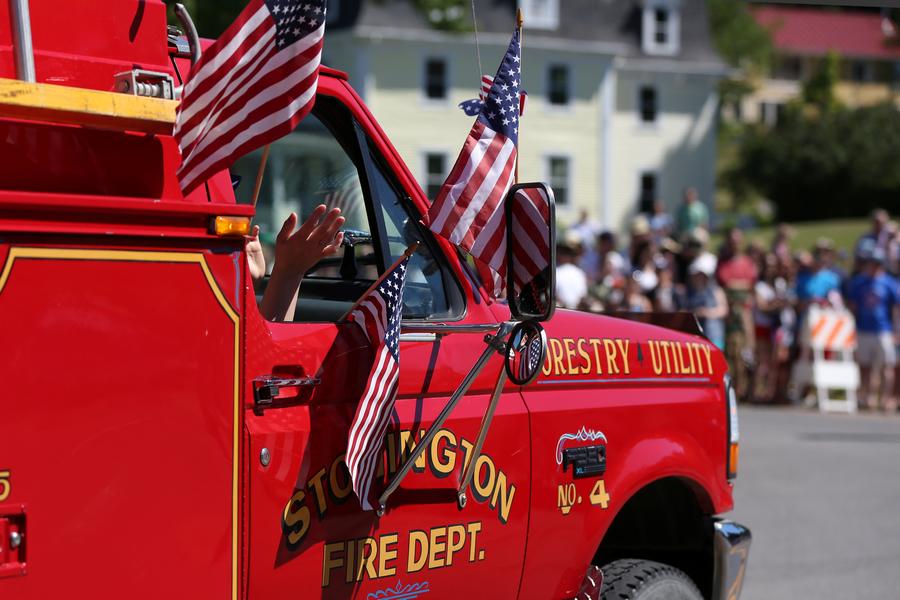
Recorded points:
295,253
256,261
720,310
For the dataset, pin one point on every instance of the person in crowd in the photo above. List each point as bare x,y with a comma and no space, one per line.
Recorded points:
640,239
879,235
660,222
736,273
781,242
667,256
786,332
297,250
611,262
769,302
756,251
826,248
692,213
571,282
694,246
608,289
635,298
706,300
666,295
892,264
875,299
585,231
815,282
644,266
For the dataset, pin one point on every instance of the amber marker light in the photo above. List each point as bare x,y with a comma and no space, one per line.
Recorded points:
231,226
733,452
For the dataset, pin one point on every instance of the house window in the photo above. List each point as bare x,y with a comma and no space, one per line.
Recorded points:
648,193
558,170
647,104
660,27
540,14
770,112
789,68
436,78
860,71
558,85
435,172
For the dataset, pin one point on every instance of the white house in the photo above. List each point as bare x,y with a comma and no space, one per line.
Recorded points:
621,93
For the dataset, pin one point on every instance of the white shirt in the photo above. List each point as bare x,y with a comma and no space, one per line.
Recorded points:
571,285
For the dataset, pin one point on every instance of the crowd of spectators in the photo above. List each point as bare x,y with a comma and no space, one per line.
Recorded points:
749,298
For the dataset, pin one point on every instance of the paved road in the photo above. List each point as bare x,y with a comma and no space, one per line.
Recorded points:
821,494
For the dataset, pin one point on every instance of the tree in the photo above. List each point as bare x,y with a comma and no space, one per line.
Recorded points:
742,42
836,163
818,90
211,18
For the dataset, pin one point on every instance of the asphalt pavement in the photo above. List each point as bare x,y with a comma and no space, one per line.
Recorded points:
821,495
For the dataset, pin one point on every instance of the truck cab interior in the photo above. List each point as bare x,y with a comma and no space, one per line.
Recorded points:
329,160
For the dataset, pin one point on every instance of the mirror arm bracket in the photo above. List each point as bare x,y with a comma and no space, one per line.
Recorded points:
486,420
495,343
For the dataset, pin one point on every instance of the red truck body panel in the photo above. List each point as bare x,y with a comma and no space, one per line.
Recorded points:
130,438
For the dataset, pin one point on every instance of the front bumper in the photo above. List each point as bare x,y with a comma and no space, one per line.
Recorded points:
732,546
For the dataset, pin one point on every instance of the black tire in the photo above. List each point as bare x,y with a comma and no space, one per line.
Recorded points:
632,579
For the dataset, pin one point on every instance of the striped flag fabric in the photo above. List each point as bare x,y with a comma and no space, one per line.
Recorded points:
530,358
486,82
531,229
379,314
251,87
468,209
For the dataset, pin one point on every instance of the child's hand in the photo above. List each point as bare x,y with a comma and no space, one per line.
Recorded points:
297,251
256,261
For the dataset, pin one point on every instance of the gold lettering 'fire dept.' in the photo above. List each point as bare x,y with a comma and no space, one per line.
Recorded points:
625,358
447,453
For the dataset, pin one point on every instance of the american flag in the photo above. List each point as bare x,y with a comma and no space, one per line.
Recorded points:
531,229
252,86
530,358
486,82
468,210
474,106
379,314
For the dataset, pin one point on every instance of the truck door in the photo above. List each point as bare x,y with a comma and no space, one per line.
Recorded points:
307,534
118,442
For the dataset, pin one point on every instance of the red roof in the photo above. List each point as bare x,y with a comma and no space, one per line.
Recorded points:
815,31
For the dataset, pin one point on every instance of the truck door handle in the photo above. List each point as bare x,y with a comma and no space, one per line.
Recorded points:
268,388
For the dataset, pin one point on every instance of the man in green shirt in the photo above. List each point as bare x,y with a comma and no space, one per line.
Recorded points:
692,213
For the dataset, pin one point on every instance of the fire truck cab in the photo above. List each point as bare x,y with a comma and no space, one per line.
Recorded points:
159,437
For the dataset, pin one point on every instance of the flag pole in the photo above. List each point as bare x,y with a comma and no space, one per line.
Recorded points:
519,21
259,174
410,250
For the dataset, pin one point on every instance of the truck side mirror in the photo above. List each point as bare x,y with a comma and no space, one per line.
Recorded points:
531,251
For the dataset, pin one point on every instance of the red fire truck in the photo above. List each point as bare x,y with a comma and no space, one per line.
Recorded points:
160,438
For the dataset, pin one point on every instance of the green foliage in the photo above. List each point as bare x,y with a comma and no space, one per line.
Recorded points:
818,90
843,232
446,15
210,17
834,163
742,42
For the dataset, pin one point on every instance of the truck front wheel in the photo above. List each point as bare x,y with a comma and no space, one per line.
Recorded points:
632,579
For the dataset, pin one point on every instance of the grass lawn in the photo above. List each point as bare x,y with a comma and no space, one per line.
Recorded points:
843,232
